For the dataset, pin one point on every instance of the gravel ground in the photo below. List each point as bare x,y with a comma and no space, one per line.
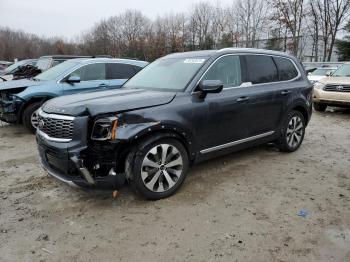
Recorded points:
241,207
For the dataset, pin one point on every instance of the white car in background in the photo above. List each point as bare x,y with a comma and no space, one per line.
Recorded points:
320,73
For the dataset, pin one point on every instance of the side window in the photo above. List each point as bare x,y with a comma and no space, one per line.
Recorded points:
260,69
286,69
227,69
91,72
120,71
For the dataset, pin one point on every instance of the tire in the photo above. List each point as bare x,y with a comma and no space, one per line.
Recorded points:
320,107
148,171
28,114
293,132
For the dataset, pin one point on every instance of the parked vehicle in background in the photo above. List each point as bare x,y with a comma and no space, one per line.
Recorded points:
320,73
42,64
312,66
20,99
333,90
179,110
8,73
5,64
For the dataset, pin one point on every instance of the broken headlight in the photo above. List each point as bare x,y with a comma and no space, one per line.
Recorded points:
104,129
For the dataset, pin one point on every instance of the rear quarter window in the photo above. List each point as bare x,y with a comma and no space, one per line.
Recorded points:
286,69
260,69
120,71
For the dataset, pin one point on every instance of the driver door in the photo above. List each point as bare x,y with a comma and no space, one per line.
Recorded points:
227,118
92,78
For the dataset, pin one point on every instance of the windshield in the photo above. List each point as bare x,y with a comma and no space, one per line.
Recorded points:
344,70
14,66
168,74
322,71
56,71
43,63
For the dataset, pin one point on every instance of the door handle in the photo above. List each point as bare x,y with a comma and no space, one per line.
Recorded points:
103,85
242,99
285,92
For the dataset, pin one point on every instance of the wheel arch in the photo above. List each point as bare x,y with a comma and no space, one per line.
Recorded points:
152,136
30,101
302,109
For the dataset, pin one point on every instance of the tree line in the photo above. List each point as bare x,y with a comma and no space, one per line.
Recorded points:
283,25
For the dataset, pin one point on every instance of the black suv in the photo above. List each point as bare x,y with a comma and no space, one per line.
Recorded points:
179,110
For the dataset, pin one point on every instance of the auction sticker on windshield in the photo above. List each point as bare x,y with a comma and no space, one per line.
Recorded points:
194,61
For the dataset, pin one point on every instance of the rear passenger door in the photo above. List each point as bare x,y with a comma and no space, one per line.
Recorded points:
92,78
118,74
265,93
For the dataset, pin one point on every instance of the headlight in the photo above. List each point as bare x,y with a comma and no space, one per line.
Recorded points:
319,85
104,129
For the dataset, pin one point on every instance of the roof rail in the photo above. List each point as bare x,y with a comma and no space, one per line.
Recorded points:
102,56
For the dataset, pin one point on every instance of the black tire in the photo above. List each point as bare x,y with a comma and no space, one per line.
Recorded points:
320,107
134,166
286,144
27,114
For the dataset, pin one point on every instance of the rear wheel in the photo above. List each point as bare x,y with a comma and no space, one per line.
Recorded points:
30,116
320,107
293,132
158,169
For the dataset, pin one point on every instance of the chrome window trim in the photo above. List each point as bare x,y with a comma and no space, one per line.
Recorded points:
55,116
52,139
253,85
237,142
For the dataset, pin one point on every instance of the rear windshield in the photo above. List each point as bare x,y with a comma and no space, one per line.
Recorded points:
167,74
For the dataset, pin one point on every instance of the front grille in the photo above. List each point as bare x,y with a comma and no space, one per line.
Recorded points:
56,126
337,88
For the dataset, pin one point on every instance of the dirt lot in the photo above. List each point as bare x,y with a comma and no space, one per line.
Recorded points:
242,207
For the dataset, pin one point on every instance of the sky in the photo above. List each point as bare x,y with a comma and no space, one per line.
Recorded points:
70,18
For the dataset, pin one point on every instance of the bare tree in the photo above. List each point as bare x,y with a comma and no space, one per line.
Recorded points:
291,14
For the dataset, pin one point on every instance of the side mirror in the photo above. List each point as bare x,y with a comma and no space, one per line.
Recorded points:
329,73
210,86
73,79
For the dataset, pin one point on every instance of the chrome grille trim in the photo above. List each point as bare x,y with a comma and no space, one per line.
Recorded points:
56,128
337,88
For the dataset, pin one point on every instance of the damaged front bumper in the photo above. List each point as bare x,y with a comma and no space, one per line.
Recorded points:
9,108
71,162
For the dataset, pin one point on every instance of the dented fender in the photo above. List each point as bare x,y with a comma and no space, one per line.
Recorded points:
131,132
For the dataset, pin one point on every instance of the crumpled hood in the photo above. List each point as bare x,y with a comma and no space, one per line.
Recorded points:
18,84
104,102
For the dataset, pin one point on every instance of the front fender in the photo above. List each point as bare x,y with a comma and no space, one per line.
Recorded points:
135,132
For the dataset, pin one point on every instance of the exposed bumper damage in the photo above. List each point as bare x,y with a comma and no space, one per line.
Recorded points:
10,106
77,164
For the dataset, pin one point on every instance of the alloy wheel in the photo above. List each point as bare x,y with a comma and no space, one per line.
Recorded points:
295,131
34,119
161,167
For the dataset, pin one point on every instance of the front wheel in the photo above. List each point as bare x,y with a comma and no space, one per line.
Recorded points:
293,132
30,116
158,169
